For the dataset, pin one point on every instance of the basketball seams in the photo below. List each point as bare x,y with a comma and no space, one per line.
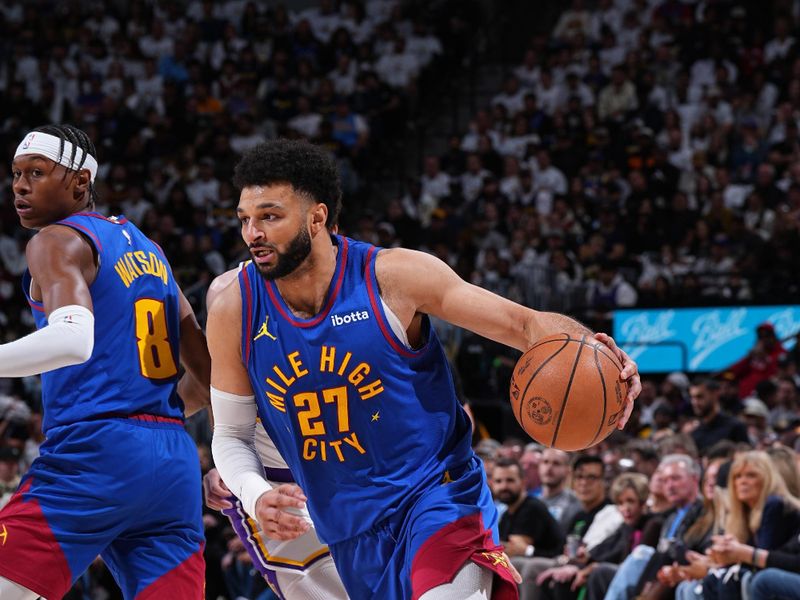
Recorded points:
598,345
536,372
605,394
566,392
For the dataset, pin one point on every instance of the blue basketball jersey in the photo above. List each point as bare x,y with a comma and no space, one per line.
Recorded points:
134,365
365,424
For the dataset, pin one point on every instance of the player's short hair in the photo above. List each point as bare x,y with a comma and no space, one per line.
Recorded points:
309,169
79,139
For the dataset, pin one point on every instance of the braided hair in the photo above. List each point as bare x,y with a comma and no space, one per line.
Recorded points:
78,139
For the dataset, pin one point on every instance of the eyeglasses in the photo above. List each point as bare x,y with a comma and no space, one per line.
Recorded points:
586,477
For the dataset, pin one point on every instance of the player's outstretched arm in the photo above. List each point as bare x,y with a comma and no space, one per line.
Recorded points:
193,386
413,282
233,403
62,265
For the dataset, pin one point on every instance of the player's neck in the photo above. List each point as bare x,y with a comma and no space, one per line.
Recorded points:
304,291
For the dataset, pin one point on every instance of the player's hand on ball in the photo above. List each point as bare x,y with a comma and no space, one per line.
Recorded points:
215,491
273,512
630,373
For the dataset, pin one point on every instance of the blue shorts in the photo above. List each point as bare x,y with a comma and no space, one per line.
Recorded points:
425,545
127,489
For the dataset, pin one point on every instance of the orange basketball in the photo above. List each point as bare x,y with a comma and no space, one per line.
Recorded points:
566,392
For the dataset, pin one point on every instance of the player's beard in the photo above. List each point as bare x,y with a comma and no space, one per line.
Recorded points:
287,262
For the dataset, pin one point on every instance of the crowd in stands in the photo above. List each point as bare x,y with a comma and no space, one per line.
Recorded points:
643,153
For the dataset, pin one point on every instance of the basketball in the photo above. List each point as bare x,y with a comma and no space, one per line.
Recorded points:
566,392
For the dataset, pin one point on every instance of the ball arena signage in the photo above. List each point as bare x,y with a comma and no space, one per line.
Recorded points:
698,339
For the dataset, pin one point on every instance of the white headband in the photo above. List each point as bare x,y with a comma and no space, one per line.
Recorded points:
50,146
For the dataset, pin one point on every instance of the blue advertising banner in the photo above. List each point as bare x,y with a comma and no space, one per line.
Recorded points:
698,339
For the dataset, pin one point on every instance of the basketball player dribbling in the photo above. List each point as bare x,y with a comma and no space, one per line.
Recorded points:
328,341
117,474
294,567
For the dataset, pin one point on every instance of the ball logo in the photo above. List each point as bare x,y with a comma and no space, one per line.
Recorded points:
540,411
524,367
28,141
618,392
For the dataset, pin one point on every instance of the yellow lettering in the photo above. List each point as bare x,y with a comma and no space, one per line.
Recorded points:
164,272
354,443
322,452
132,264
344,363
327,357
277,401
288,381
335,445
122,271
308,449
371,389
297,365
358,374
142,258
276,386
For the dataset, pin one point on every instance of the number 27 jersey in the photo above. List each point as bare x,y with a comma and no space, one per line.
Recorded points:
134,365
365,423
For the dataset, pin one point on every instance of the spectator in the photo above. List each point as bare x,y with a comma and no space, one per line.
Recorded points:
9,473
712,425
526,527
681,486
560,500
595,522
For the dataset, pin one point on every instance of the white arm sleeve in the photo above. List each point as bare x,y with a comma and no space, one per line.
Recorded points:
233,447
68,339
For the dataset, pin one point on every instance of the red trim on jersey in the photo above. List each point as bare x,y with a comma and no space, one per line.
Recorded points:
30,555
443,554
249,315
184,582
83,229
116,220
155,418
36,305
160,249
278,302
376,309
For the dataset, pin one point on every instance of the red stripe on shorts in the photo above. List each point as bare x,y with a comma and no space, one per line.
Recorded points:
155,418
184,582
29,552
443,554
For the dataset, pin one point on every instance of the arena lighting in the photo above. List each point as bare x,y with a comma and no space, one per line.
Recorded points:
698,339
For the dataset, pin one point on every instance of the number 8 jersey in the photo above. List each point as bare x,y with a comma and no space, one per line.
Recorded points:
134,364
366,424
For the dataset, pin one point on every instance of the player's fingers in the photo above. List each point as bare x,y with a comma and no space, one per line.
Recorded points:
218,503
514,573
627,414
278,524
214,499
287,495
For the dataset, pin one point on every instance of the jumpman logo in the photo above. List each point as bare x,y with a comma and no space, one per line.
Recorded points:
497,557
263,331
4,536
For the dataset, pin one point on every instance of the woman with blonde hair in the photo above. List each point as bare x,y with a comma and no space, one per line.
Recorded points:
760,502
762,515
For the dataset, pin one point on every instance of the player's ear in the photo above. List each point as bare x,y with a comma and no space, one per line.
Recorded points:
319,217
81,180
